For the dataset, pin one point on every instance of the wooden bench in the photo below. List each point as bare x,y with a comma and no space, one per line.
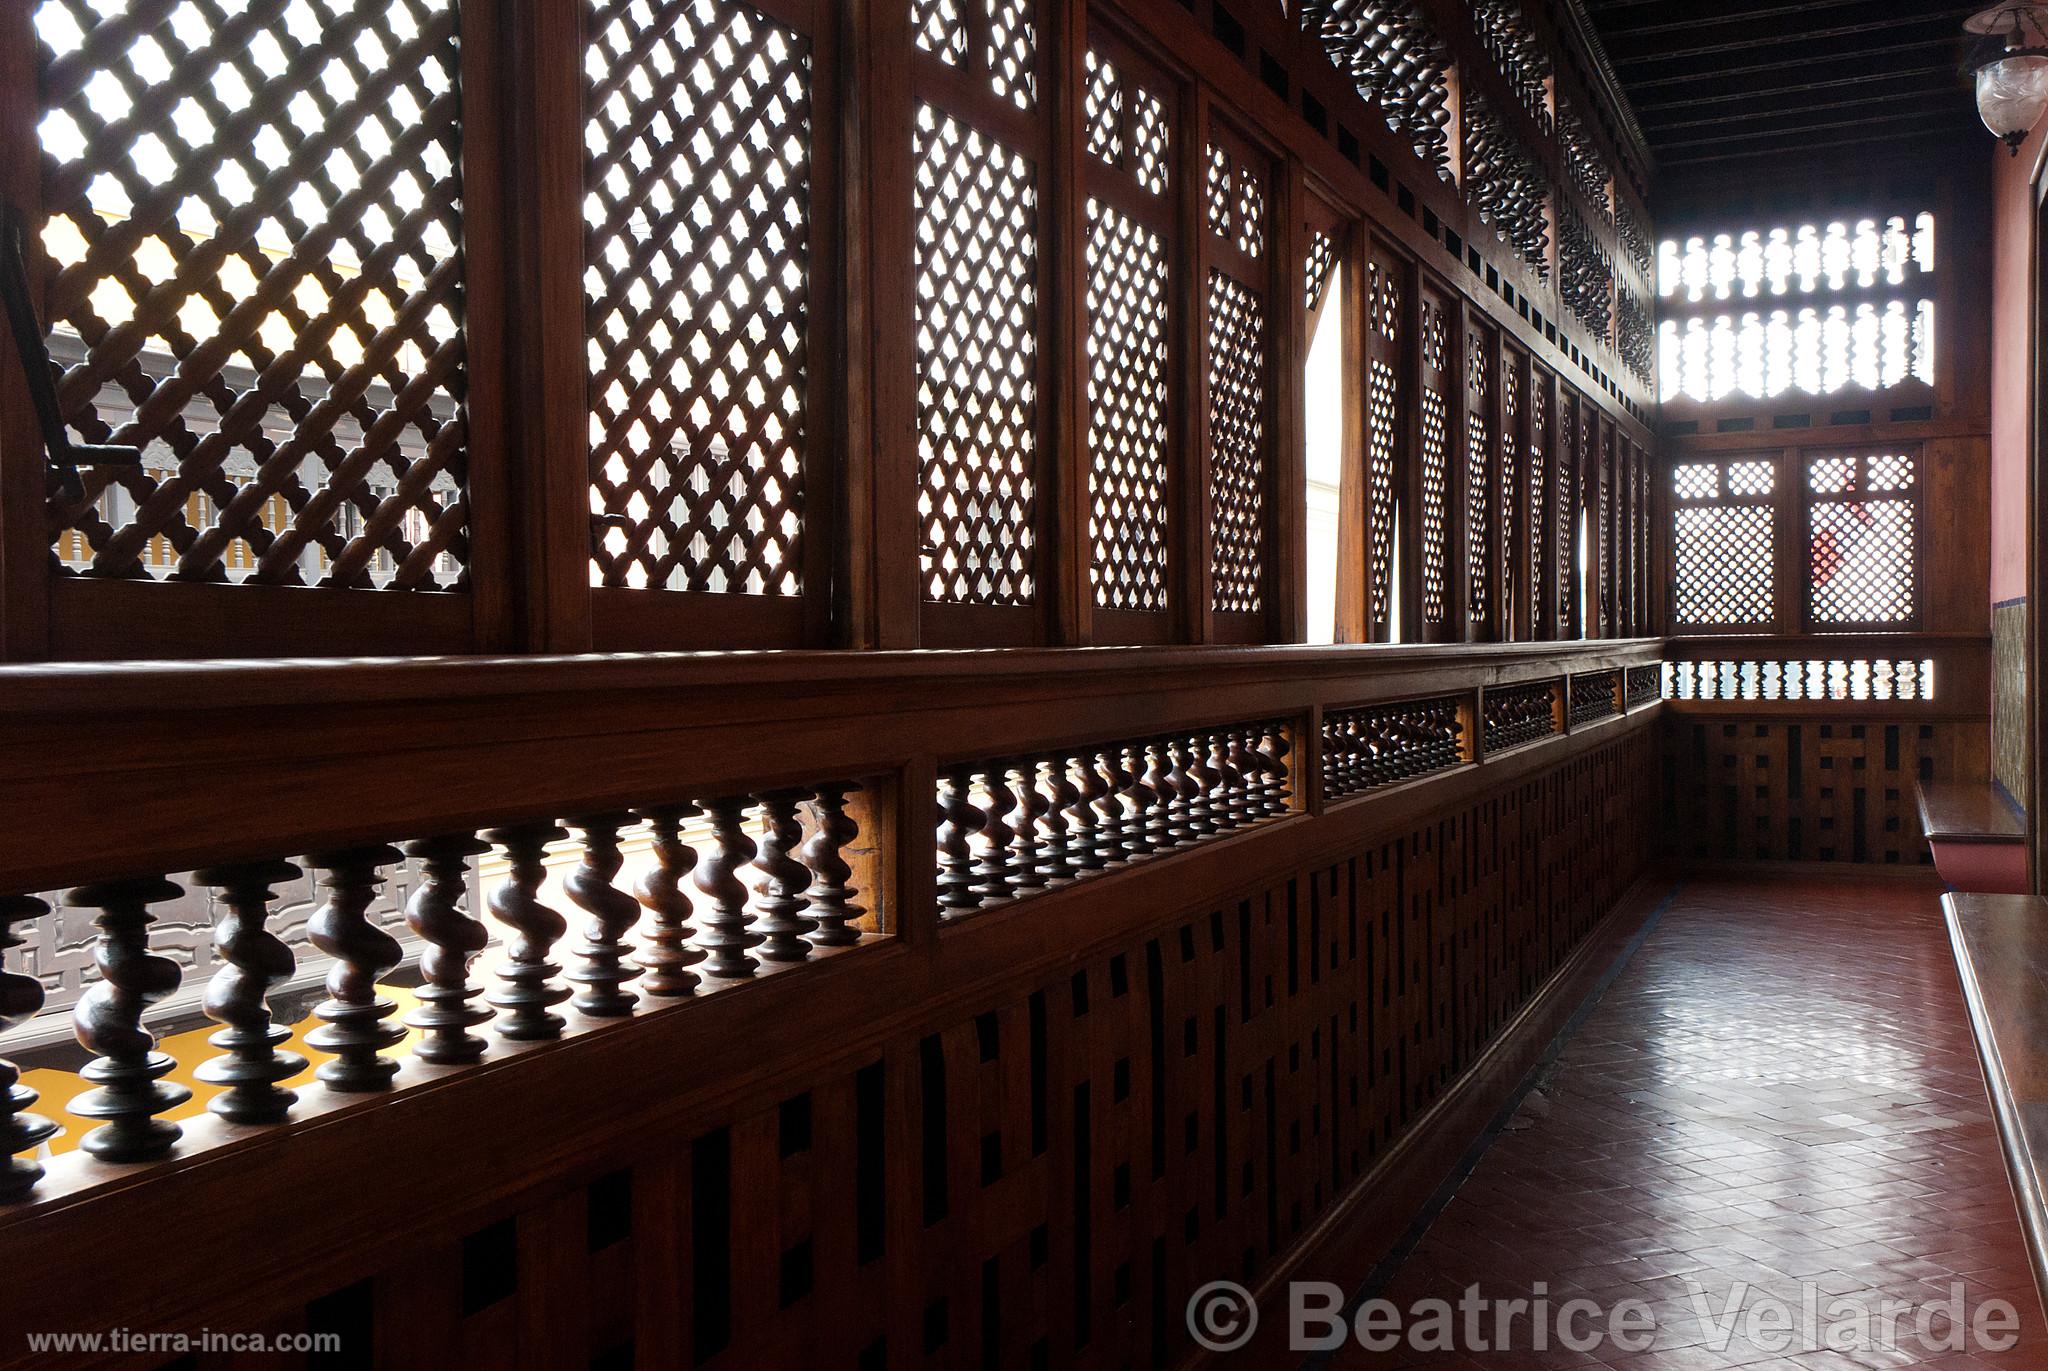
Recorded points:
2001,947
1979,841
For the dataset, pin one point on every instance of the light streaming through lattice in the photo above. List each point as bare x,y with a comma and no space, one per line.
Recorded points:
1127,409
1816,351
1237,442
696,284
1724,543
254,231
977,345
1801,260
1861,539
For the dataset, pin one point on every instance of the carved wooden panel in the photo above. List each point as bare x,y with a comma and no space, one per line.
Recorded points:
1585,273
1130,225
1724,542
1506,184
1481,496
1236,198
1385,435
976,282
697,296
254,226
1584,162
1396,61
1542,520
1806,790
1862,543
1519,54
1435,459
1594,696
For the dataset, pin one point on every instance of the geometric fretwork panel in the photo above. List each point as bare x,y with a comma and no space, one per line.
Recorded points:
977,344
1725,566
1396,60
1384,413
1436,474
1479,544
254,219
1861,549
1127,410
1539,485
1237,442
1506,185
696,283
1812,789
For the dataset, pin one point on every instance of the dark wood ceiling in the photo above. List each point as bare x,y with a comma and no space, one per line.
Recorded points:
1721,86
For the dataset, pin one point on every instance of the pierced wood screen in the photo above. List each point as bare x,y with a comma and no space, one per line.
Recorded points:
1508,488
1478,483
1571,465
1435,459
1378,745
1723,543
1235,197
1585,273
1607,494
1583,161
1130,221
1506,184
1542,521
253,231
1396,61
1862,546
1385,466
697,293
976,159
1518,53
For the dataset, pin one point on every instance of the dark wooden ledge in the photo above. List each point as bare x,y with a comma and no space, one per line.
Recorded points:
2001,946
1967,812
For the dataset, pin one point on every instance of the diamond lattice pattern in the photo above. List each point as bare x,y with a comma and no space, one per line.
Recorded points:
977,345
696,283
1127,408
254,218
1237,441
1861,545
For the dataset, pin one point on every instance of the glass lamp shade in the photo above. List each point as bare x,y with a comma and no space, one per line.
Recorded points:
2011,93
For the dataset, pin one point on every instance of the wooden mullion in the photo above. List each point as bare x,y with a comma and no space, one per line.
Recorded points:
1286,569
549,409
1790,521
24,535
1066,549
826,484
879,551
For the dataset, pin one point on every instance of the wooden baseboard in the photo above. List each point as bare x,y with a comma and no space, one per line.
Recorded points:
1366,1224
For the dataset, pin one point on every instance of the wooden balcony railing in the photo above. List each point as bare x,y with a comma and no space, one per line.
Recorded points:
794,877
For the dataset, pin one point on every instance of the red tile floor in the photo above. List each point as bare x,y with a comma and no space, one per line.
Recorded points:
1778,1089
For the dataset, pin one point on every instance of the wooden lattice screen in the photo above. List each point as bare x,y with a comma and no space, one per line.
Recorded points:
705,408
1237,201
1433,473
1482,535
255,275
1131,109
979,143
1384,293
1862,522
1724,543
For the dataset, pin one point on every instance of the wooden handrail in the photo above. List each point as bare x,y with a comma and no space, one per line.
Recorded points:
173,765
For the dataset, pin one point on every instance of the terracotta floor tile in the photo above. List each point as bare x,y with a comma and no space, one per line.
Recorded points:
1778,1091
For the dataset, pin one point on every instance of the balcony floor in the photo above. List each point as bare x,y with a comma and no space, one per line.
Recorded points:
1779,1088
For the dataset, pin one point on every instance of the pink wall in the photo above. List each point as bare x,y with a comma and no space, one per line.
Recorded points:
2011,230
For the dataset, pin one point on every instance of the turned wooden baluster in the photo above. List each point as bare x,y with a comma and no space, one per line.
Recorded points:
601,968
1160,814
1233,806
254,962
961,820
1086,847
1108,767
453,937
992,873
1272,755
1060,799
1181,808
1202,817
783,879
527,990
1028,807
832,890
1144,802
20,997
724,933
108,1020
666,952
353,1014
